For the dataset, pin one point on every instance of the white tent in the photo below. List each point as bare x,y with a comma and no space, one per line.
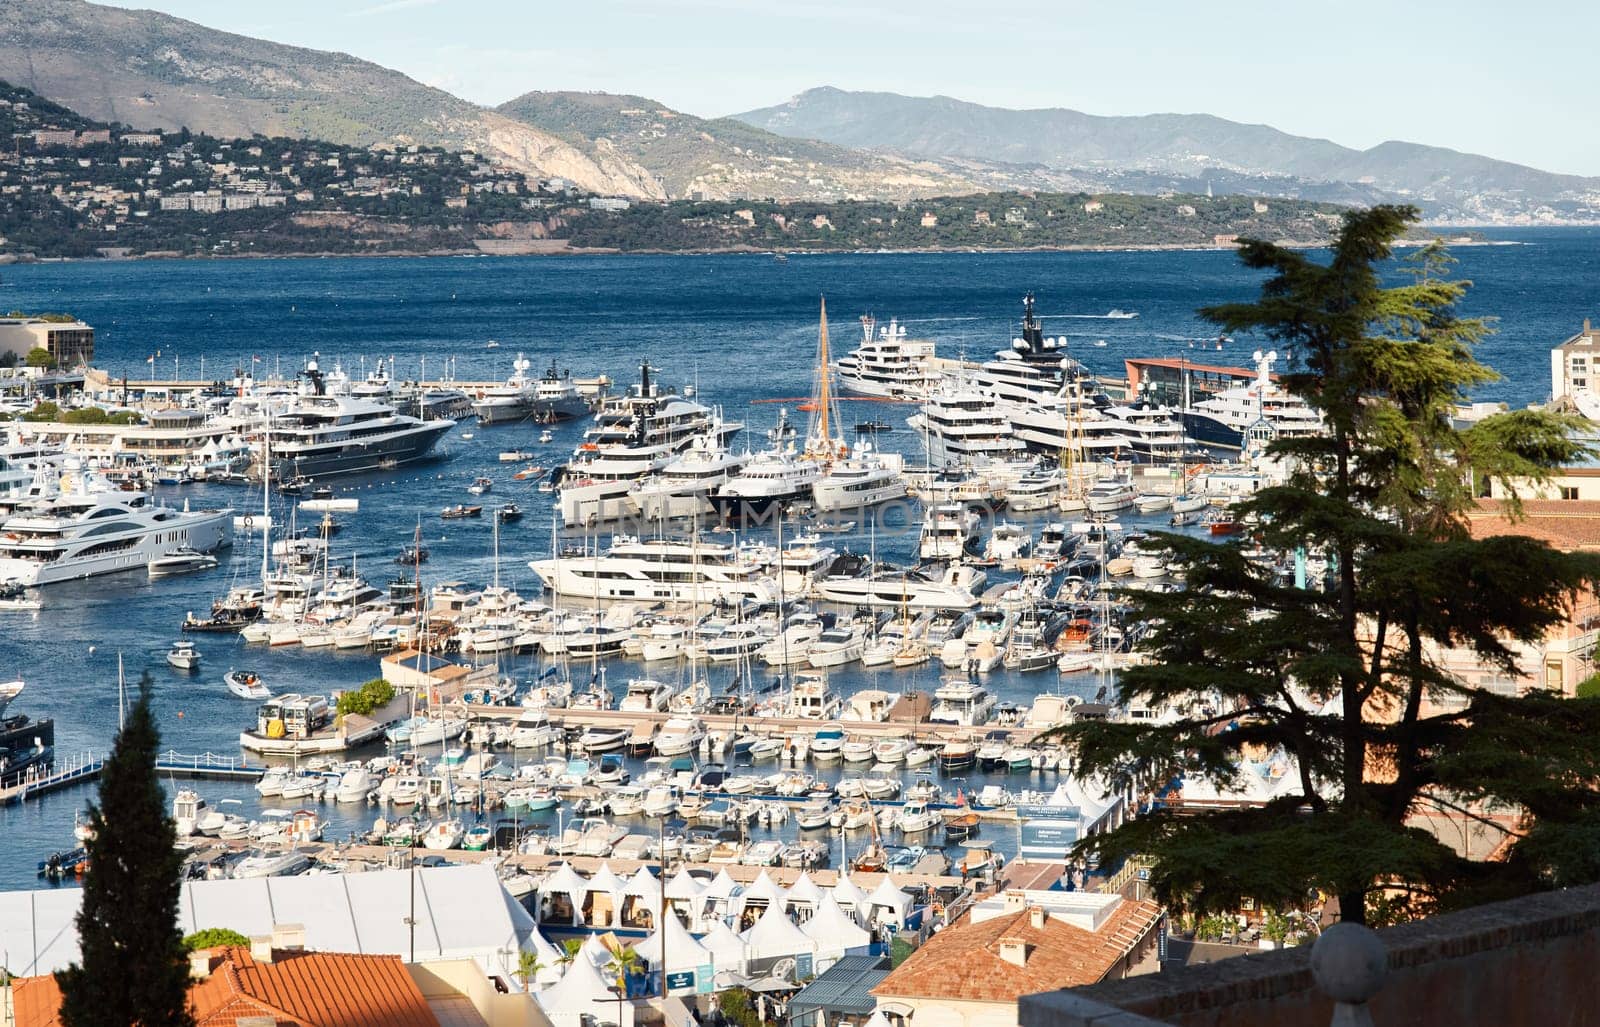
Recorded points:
683,952
887,905
877,1019
727,949
717,898
641,897
763,893
595,951
775,936
564,883
583,991
834,932
461,913
803,895
603,900
851,898
683,895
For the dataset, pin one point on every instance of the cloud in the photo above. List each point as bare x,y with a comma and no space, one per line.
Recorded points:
390,6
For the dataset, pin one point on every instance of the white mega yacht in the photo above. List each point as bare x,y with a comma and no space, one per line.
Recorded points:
511,401
865,478
683,487
887,363
960,423
59,536
669,570
772,479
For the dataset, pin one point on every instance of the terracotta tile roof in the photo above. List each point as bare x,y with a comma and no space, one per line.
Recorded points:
1564,523
298,989
963,961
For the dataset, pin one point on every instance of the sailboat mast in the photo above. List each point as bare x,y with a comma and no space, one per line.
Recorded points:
823,397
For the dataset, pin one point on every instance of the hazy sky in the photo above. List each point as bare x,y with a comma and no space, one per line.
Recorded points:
1515,81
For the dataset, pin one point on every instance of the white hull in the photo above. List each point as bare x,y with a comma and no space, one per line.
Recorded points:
203,532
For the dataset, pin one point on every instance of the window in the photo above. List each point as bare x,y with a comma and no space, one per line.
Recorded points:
1569,492
1552,675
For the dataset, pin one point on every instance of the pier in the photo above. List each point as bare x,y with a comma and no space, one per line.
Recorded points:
86,766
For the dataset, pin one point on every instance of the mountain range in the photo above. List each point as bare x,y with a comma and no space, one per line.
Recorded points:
151,70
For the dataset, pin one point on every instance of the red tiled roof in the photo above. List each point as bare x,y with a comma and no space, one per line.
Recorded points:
1568,524
297,989
963,961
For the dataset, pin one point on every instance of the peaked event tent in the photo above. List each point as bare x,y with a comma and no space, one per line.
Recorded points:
683,952
834,932
775,936
582,991
851,898
727,949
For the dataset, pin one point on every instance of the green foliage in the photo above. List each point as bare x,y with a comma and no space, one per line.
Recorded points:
40,357
1337,677
133,965
739,1006
370,696
1589,687
212,937
528,966
569,950
44,410
899,951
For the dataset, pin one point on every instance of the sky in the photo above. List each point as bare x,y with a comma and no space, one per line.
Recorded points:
1516,82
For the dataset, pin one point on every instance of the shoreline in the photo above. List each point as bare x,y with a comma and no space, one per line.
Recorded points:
16,260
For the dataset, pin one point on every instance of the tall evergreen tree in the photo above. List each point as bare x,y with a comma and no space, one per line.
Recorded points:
1342,675
134,969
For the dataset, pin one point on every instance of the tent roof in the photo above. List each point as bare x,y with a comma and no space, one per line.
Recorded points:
684,885
721,886
833,929
776,935
577,991
849,893
643,884
886,894
462,912
683,951
763,887
605,879
566,881
805,890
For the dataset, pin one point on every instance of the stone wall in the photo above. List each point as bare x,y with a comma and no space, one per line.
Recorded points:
1533,961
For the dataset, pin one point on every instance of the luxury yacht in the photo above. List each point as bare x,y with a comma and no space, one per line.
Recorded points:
669,570
773,479
1262,408
512,401
59,536
960,423
887,363
683,487
866,478
316,434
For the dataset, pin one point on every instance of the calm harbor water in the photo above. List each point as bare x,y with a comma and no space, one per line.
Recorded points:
740,328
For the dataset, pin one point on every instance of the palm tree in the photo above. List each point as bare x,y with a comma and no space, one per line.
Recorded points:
528,966
569,951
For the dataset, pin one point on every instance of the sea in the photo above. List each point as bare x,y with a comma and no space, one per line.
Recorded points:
741,330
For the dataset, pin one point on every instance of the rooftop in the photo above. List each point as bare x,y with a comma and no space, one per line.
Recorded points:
965,961
296,989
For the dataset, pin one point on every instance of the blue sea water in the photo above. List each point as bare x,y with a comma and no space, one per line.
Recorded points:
739,327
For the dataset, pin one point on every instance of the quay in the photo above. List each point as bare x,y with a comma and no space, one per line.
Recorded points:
326,852
86,767
920,730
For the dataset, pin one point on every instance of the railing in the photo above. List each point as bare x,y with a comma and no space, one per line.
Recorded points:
174,760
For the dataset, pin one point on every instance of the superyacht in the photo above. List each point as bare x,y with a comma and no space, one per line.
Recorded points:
1263,407
888,364
665,570
634,435
556,397
866,478
1033,368
683,487
773,480
512,401
961,424
61,534
316,434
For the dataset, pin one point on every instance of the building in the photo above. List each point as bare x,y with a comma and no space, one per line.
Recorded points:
1016,943
1573,366
268,984
68,340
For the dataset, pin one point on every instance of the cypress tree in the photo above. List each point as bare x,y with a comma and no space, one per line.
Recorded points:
1342,675
133,967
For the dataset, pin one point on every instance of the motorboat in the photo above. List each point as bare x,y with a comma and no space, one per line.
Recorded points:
184,656
246,684
180,561
680,735
598,739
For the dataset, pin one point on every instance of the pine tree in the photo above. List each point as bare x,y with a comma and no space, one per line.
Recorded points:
1340,675
134,969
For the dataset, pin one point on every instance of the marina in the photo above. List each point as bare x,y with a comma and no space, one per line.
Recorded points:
793,592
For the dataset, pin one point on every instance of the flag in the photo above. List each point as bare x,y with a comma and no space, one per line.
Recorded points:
150,360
